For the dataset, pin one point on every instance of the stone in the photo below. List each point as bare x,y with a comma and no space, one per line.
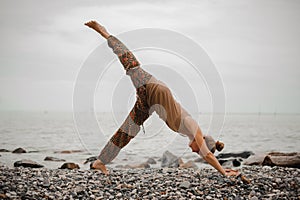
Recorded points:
226,163
46,182
252,193
244,154
256,159
79,189
70,166
90,159
27,163
134,191
169,160
180,161
185,184
244,179
49,158
189,164
138,166
68,151
34,151
282,159
236,163
199,160
151,161
254,198
4,150
19,150
237,198
119,195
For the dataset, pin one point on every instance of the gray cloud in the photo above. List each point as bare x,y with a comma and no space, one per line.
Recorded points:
254,44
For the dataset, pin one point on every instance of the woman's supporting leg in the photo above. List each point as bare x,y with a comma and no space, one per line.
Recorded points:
128,130
120,139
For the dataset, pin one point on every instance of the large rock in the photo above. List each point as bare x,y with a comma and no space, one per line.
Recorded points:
138,166
244,154
236,162
49,158
4,150
275,159
70,166
200,159
169,160
19,150
189,164
90,159
256,159
27,163
151,161
282,159
68,151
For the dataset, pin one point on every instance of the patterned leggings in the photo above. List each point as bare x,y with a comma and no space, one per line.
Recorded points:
139,113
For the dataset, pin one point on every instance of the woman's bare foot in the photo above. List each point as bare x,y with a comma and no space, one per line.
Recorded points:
99,166
97,27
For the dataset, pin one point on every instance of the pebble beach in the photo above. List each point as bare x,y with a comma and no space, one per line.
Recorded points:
255,182
133,178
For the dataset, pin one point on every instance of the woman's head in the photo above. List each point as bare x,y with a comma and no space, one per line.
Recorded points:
212,145
219,146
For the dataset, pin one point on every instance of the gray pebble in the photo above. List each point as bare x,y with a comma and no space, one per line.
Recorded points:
185,184
252,193
119,194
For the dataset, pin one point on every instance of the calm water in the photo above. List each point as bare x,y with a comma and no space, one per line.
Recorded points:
50,132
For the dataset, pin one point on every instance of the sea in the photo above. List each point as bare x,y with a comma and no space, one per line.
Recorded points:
44,134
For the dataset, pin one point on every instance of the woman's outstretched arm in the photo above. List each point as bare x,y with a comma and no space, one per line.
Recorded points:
205,152
209,157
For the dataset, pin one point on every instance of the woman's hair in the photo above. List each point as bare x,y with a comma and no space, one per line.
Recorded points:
212,145
219,145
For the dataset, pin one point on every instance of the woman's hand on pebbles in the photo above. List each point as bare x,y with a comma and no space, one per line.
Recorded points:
231,172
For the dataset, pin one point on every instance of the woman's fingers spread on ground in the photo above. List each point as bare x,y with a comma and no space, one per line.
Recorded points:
231,172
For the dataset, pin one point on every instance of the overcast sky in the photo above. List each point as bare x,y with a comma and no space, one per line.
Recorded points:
255,46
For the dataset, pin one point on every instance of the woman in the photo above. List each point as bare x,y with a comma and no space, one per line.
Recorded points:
152,95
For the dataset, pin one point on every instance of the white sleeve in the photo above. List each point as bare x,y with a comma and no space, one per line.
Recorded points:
204,150
190,127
